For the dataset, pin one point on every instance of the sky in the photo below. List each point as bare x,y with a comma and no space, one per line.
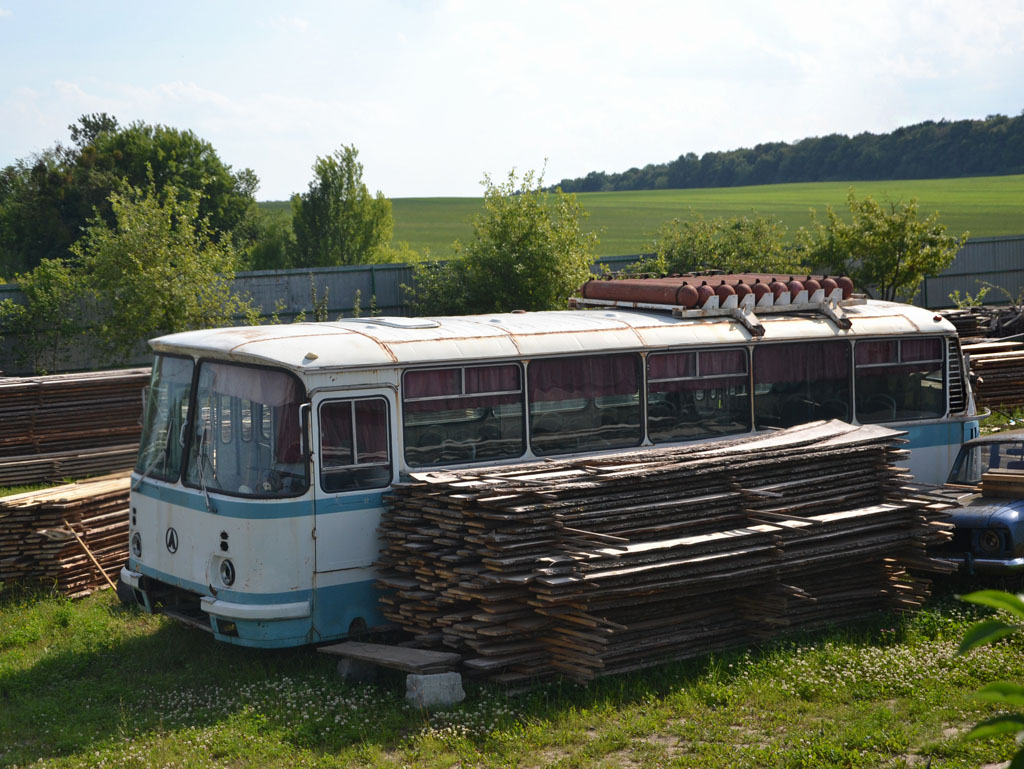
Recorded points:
434,95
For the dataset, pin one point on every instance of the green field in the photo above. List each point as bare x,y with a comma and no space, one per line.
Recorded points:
627,221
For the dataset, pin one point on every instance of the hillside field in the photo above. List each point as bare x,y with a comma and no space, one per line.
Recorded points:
627,221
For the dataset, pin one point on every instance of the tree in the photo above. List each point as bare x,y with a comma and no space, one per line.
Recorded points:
528,252
156,270
50,317
887,250
272,244
47,200
337,221
738,244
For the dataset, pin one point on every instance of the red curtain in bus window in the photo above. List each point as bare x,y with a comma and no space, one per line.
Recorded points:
921,349
801,362
722,362
371,431
433,383
289,448
568,378
492,379
886,351
673,365
336,433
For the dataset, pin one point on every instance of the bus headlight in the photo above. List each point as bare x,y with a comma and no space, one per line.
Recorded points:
136,545
227,572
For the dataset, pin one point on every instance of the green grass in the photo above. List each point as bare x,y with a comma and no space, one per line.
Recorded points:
89,684
627,221
7,491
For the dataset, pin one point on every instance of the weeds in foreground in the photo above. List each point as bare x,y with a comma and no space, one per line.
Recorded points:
89,683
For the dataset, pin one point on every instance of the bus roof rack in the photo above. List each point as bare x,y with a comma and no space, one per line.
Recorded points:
735,295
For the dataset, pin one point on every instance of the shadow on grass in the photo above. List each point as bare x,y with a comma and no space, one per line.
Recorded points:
95,686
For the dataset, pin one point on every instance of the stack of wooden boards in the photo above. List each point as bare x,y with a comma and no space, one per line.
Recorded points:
1005,484
69,425
599,565
38,529
969,323
987,321
998,371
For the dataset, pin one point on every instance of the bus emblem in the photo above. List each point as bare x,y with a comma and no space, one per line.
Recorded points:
171,540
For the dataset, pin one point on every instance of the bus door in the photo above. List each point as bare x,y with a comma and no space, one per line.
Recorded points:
353,445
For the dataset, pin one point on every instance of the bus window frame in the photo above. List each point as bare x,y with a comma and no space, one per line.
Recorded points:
323,470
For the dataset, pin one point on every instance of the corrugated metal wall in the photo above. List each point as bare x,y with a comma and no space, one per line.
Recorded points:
995,261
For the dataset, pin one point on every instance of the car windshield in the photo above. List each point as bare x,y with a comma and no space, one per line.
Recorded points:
975,460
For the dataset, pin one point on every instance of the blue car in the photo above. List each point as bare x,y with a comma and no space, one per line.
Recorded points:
989,535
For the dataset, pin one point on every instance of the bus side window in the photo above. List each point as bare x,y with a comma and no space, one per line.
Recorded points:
900,379
801,382
584,404
354,444
462,414
697,394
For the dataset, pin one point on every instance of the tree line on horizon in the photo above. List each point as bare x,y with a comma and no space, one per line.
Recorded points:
929,150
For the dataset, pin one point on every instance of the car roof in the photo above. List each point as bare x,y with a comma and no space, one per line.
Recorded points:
1009,436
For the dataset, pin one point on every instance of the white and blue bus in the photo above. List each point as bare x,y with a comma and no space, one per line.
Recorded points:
266,451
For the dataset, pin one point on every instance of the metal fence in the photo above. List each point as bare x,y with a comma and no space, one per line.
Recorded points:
345,291
995,262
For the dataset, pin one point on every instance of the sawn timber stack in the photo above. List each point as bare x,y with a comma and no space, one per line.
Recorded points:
38,528
998,371
69,425
599,565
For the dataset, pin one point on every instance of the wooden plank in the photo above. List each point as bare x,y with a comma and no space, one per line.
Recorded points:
419,661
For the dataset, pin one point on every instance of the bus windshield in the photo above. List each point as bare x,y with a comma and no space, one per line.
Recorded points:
245,437
164,418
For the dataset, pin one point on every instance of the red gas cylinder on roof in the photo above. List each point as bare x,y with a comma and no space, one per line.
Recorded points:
847,285
704,292
777,287
812,285
687,295
742,289
759,289
794,286
724,291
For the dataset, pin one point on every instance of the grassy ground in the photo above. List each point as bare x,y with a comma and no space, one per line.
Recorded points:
89,684
628,221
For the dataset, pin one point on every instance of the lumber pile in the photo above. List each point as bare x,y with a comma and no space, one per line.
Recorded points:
1004,484
69,425
998,373
599,565
987,321
38,531
969,323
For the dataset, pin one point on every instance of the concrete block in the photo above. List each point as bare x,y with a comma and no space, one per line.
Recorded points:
438,690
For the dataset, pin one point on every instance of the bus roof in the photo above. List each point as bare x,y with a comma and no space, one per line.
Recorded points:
385,341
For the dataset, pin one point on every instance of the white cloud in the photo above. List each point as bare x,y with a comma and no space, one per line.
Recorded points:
291,22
